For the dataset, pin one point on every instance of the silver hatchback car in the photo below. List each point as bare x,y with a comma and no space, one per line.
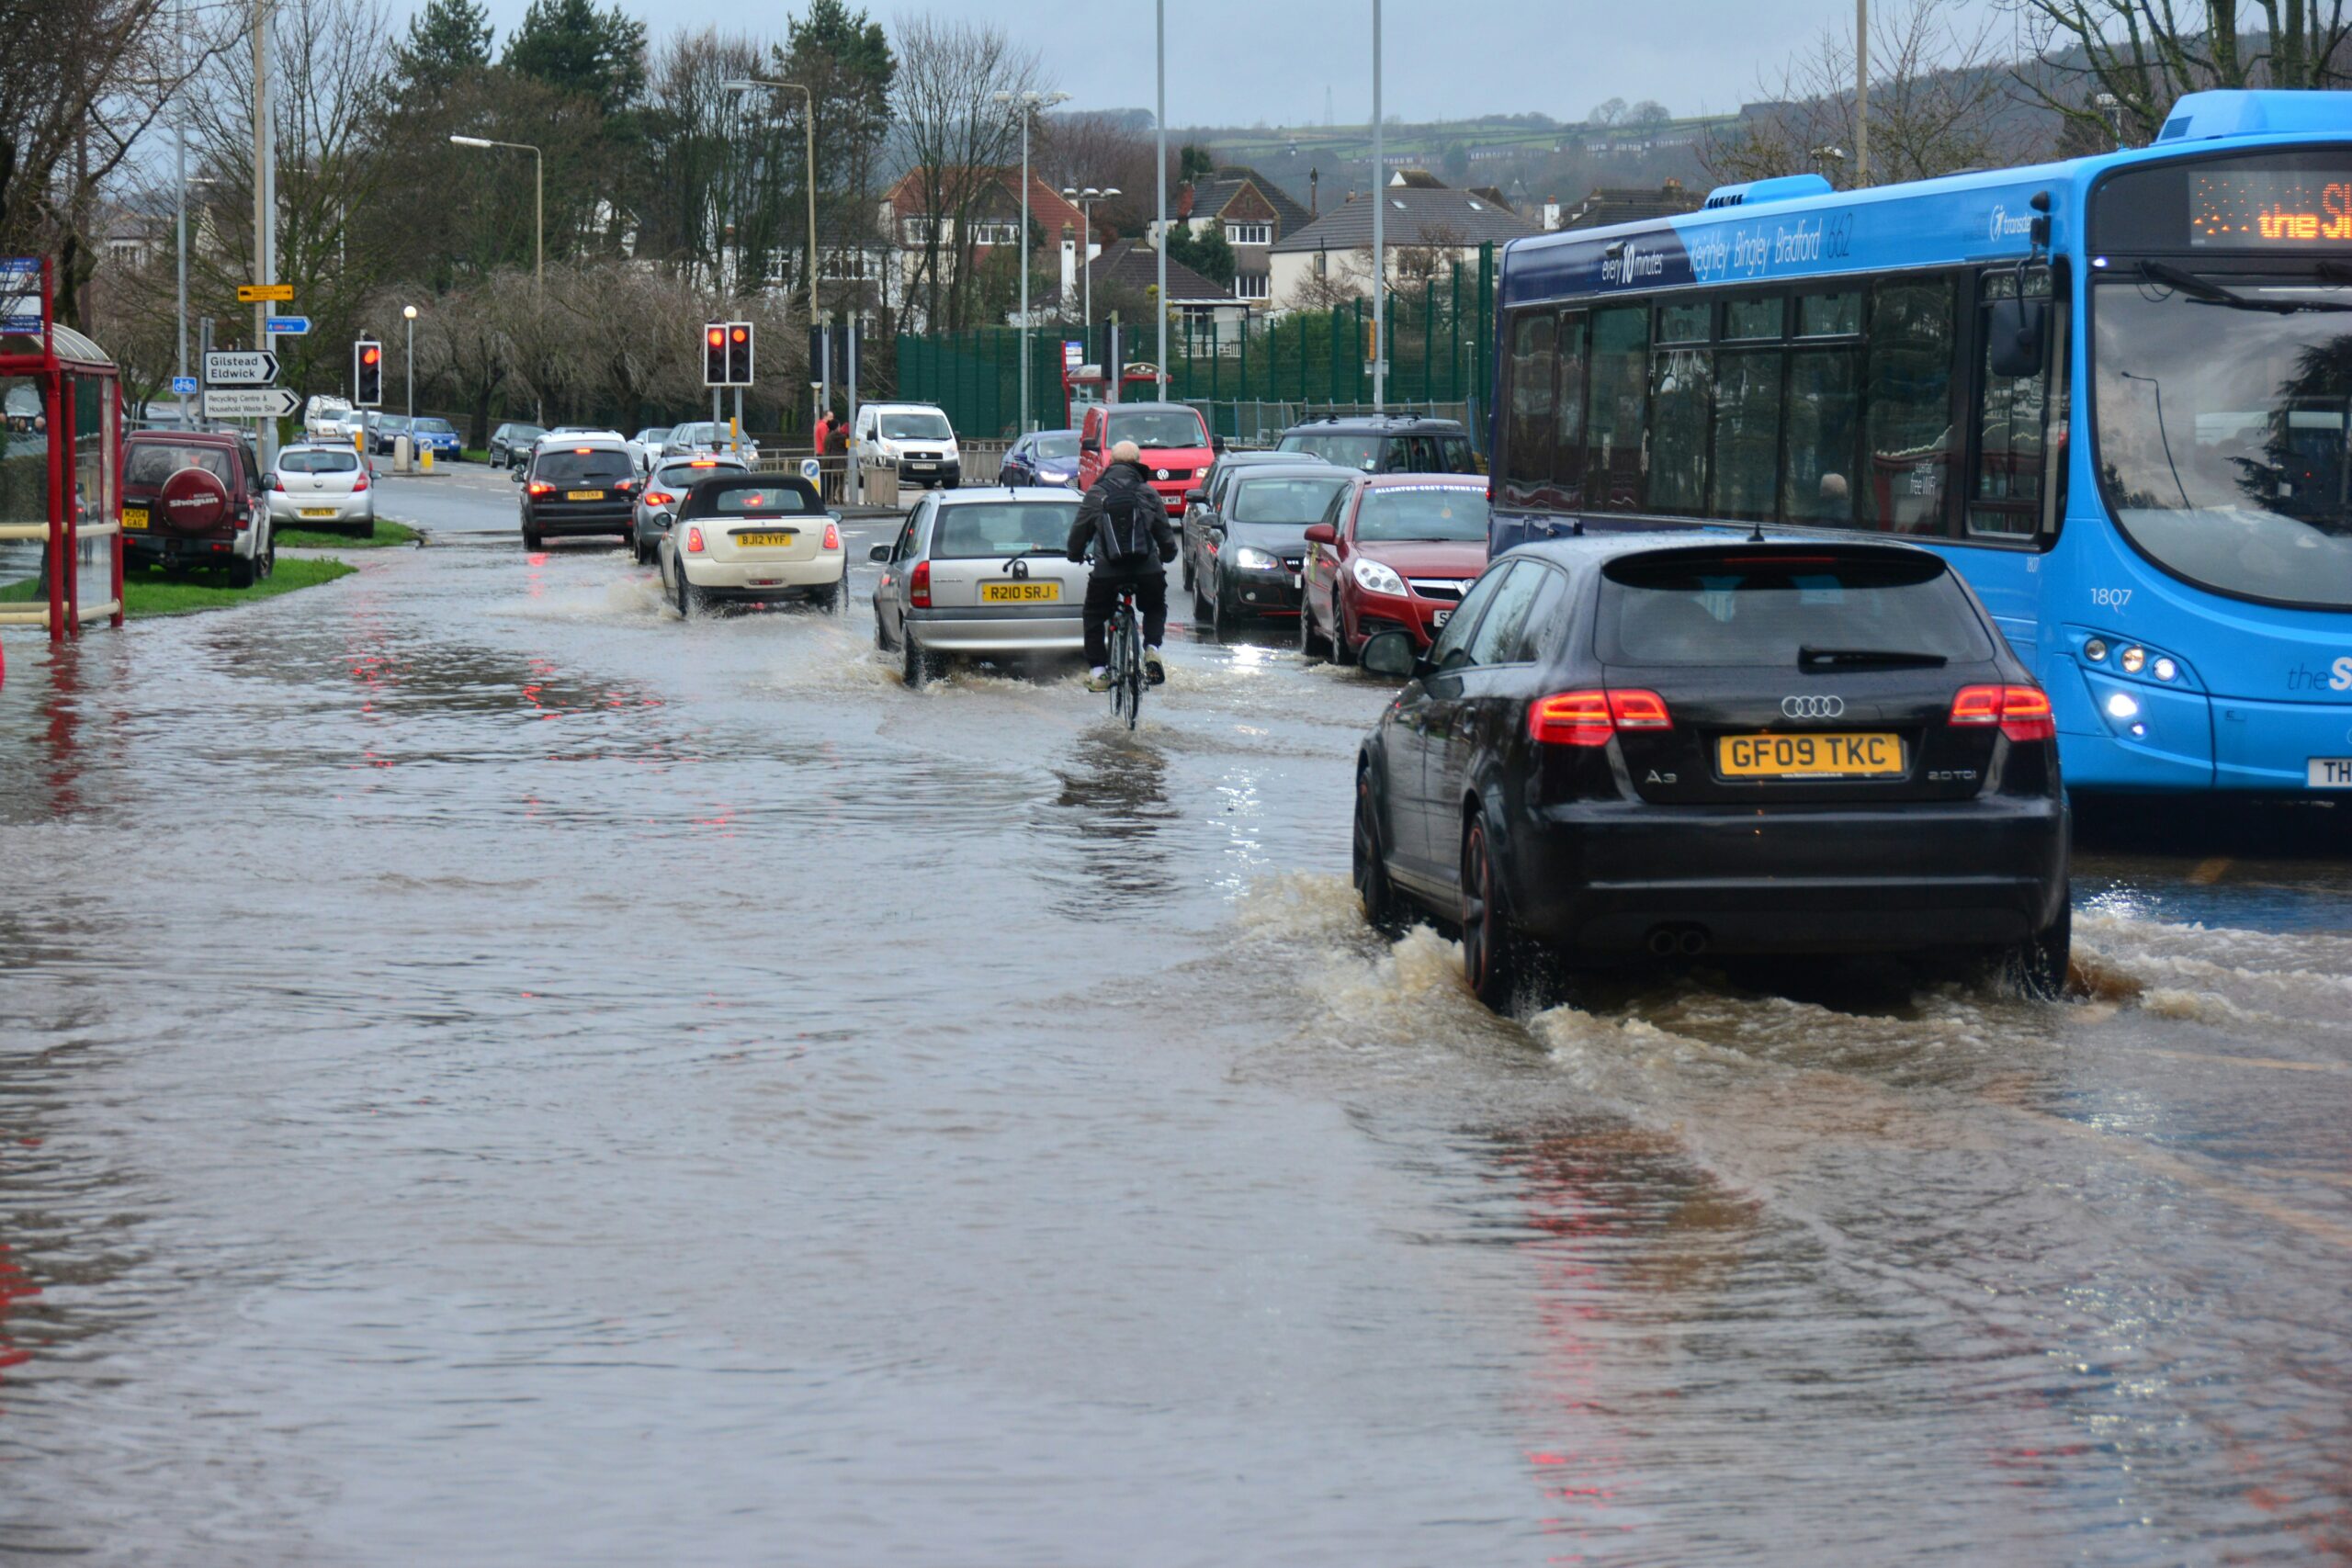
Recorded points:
980,573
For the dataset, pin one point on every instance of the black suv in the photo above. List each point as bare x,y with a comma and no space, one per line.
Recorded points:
1385,444
1643,744
588,486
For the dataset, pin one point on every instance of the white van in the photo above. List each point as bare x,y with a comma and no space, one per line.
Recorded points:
327,419
917,436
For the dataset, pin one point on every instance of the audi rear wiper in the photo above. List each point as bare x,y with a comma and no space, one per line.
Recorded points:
2209,293
1896,658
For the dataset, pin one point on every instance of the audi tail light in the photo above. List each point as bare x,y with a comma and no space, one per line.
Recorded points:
918,586
832,536
694,541
2022,712
1590,718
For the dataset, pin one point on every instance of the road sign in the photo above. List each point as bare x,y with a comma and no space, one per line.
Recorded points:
265,294
810,469
288,326
1073,353
183,385
250,403
240,368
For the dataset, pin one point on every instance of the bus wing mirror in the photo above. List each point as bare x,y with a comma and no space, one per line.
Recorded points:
2013,332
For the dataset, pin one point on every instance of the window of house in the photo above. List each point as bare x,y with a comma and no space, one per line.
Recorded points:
996,233
1250,233
1250,286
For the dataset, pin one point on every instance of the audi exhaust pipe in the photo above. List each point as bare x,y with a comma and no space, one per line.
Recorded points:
1661,943
1677,942
1693,942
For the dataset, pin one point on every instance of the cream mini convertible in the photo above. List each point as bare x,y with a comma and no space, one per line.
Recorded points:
751,537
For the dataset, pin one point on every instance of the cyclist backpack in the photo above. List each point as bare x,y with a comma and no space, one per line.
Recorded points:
1122,534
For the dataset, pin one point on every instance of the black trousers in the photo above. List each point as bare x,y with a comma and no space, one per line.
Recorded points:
1102,597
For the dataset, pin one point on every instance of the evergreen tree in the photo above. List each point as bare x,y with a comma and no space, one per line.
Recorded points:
446,40
576,48
1193,164
1213,257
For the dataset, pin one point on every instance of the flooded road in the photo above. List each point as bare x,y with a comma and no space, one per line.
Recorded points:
490,1073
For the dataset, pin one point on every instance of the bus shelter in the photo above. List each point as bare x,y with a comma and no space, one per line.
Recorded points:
60,456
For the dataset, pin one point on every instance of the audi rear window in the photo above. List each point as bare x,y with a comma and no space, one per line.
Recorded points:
1780,609
1001,529
598,465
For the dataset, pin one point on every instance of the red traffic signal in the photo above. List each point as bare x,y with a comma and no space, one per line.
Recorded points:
367,374
714,355
739,353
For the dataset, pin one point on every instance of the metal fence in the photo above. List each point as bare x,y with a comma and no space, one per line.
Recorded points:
1440,343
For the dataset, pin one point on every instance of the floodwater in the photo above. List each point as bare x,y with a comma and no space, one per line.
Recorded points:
492,1073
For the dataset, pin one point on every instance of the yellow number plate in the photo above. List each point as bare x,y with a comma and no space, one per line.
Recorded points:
584,495
318,511
1811,756
1019,593
765,541
134,517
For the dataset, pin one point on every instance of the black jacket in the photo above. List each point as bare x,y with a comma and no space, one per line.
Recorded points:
1121,476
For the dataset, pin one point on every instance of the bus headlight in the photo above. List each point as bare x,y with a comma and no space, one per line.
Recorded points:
2132,658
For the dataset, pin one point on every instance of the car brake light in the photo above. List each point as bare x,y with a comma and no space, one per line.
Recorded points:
2022,712
623,484
360,483
832,536
918,586
658,498
1590,718
277,483
694,541
538,487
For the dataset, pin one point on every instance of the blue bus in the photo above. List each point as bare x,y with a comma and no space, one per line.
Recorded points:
2116,392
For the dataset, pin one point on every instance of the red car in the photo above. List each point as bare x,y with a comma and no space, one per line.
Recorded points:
195,498
1399,554
1175,446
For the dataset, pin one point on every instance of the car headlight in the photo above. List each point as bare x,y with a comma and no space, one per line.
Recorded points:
1375,578
1249,559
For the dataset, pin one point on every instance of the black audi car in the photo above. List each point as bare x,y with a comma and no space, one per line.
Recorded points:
1645,744
587,485
1245,549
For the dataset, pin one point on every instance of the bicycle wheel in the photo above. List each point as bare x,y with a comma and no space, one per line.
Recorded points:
1131,674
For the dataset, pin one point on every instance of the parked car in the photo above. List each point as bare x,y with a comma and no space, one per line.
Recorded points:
648,441
583,485
1201,503
658,498
511,443
1247,552
1387,443
706,436
321,485
194,497
322,418
752,536
1041,458
1173,439
917,436
438,437
384,430
1632,743
980,573
1396,553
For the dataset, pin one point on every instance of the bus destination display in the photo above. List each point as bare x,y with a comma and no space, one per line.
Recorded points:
2260,208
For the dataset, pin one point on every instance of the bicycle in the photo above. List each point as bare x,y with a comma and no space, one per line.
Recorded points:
1127,679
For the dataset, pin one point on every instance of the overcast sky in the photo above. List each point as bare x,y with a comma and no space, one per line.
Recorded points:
1240,61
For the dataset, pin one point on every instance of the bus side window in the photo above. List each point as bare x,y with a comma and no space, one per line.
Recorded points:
1528,451
1613,418
1567,425
1824,414
2012,422
1912,446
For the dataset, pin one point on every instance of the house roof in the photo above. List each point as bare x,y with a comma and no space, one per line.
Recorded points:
1630,203
1047,208
1210,196
1459,217
1131,263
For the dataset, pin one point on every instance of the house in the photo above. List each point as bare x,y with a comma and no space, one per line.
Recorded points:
1629,204
1425,224
1254,213
1131,267
985,202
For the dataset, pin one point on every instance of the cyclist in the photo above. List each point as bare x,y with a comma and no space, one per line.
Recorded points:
1126,523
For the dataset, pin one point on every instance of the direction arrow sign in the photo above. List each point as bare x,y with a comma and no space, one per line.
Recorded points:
250,403
289,326
240,368
265,294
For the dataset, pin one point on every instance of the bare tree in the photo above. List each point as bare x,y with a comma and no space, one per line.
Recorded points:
959,139
2146,54
715,186
1104,151
1942,99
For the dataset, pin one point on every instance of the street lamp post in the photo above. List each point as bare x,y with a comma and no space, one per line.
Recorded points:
538,202
1159,173
808,124
1028,104
408,368
1085,201
1379,234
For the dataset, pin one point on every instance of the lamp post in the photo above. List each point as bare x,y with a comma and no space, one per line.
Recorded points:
539,203
808,124
1379,234
1160,174
1028,104
1085,200
1861,92
408,368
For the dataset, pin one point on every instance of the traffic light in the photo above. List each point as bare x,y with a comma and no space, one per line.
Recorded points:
714,355
739,353
367,374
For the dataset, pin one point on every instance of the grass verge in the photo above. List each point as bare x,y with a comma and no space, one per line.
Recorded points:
386,536
152,592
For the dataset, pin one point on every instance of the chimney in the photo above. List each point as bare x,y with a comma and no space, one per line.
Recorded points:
1314,194
1069,270
1551,213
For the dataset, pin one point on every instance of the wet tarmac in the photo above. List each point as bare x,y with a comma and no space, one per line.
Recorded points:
490,1073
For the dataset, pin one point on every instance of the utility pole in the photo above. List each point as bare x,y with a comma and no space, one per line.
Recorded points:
1861,92
264,213
1160,121
1379,234
179,116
